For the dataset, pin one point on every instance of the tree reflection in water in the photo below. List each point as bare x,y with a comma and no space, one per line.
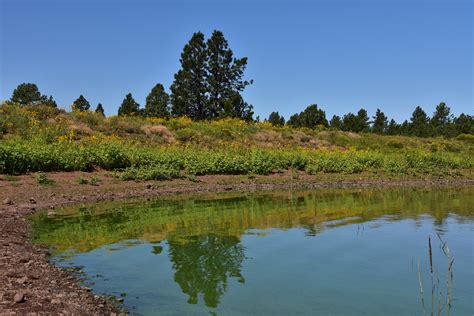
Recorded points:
203,263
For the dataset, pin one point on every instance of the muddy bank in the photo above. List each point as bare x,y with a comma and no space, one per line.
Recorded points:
30,284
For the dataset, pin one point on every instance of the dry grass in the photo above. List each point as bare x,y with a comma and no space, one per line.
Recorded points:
160,130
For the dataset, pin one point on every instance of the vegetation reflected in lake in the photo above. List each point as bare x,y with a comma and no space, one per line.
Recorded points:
303,252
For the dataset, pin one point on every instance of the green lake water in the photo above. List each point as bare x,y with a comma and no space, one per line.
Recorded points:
320,252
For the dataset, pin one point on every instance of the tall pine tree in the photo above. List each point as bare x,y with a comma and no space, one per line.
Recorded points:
420,123
441,120
189,89
157,102
225,77
380,123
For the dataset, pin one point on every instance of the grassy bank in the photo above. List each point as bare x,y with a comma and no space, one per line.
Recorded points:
47,139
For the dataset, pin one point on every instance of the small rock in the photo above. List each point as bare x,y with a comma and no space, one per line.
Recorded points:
19,297
32,201
8,201
51,207
51,214
149,186
22,280
55,301
120,299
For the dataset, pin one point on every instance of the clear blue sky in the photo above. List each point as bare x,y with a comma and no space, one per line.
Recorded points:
342,55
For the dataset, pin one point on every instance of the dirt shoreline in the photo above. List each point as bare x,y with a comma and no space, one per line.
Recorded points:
32,285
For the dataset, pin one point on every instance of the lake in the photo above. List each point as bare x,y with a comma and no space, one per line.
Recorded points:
328,252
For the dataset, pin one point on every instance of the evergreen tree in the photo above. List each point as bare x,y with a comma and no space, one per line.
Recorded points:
310,118
336,122
362,121
188,91
441,120
129,106
464,124
28,94
350,122
393,128
405,128
81,104
157,102
100,109
294,121
380,122
276,119
224,74
235,106
49,101
420,123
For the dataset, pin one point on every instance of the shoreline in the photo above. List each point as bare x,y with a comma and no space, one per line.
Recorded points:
31,284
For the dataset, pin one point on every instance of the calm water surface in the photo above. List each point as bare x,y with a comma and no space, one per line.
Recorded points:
329,252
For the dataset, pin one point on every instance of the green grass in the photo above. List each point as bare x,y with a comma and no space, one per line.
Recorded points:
43,179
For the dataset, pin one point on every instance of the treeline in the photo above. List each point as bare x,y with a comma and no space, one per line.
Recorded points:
441,123
209,85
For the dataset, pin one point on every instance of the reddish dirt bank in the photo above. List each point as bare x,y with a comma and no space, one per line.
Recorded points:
30,284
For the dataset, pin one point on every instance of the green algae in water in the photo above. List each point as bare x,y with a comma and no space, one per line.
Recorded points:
325,252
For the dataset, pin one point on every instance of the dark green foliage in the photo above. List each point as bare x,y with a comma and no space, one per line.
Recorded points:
28,94
336,122
464,124
310,118
81,104
276,119
380,123
235,106
393,128
294,120
356,123
210,80
441,120
225,78
442,116
362,121
349,122
420,123
157,102
49,102
100,109
189,89
128,106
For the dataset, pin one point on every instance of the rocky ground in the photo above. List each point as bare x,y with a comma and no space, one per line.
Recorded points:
29,284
